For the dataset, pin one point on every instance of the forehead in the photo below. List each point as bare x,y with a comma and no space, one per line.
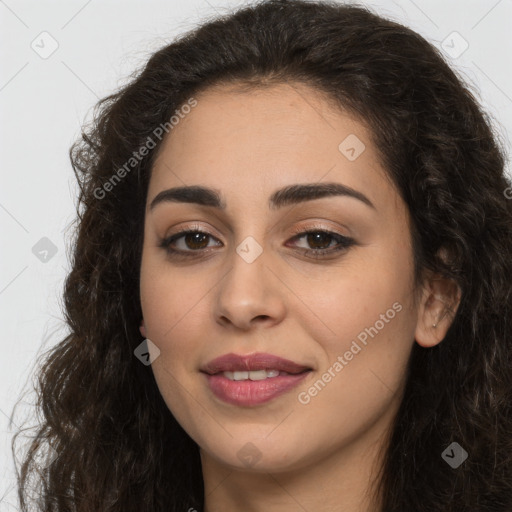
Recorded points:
256,141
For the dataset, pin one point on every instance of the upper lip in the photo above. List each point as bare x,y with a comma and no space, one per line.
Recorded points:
260,361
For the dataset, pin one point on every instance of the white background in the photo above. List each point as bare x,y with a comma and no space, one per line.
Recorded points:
43,103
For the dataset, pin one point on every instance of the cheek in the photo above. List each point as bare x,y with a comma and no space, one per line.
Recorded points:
365,314
174,309
173,306
172,300
355,294
363,363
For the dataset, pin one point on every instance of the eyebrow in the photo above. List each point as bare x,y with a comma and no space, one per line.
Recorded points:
291,194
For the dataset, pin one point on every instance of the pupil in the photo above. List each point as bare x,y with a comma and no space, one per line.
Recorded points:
194,238
314,237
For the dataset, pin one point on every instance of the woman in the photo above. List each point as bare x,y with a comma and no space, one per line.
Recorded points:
290,285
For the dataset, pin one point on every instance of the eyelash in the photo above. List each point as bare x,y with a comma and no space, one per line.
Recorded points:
343,241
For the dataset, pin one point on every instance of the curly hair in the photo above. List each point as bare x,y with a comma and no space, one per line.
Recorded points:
117,446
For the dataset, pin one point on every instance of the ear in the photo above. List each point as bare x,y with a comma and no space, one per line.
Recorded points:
439,302
142,329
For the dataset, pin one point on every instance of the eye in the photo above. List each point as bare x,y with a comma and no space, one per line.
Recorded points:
322,240
193,241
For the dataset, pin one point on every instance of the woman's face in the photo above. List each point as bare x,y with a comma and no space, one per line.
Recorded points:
250,286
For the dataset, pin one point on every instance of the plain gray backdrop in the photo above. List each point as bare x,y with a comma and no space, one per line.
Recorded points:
58,58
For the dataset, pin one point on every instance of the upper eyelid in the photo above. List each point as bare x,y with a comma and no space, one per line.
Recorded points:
301,231
296,234
342,243
314,225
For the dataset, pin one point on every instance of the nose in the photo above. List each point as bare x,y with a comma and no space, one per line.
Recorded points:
249,294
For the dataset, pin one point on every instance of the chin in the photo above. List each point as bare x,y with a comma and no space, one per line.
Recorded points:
259,455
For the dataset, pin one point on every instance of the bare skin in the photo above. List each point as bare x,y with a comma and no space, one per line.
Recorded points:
310,450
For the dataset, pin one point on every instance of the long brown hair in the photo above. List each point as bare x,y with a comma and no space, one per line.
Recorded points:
117,447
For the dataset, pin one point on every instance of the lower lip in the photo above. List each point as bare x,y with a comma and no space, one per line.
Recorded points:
252,392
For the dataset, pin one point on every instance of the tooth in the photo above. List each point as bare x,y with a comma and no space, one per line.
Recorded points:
258,375
252,375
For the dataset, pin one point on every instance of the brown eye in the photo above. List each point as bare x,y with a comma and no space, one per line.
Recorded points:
186,242
195,240
191,243
319,242
319,239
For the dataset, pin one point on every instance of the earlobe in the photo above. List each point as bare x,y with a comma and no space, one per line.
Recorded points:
142,329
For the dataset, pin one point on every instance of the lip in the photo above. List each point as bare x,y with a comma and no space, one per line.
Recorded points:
252,362
248,393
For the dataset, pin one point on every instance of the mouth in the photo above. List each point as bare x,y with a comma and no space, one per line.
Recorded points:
256,374
242,367
252,380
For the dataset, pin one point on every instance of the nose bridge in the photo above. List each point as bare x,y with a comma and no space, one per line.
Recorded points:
247,290
246,278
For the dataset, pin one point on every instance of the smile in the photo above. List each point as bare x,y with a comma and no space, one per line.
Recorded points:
243,390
